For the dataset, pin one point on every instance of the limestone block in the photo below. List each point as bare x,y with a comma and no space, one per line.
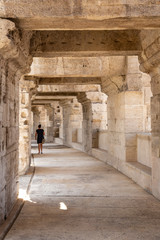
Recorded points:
11,196
118,152
134,82
144,149
98,107
147,95
131,154
155,176
103,125
134,111
119,112
111,125
103,116
134,98
77,67
133,126
113,66
90,66
133,65
130,140
103,140
146,80
74,135
2,173
2,205
79,135
120,125
155,85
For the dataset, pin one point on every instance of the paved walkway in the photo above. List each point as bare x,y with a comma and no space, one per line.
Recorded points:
76,197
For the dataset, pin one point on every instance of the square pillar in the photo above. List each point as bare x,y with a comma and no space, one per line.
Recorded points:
94,108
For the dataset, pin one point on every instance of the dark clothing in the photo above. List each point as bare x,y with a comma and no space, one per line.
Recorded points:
39,135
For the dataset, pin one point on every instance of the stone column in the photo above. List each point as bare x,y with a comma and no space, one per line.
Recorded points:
126,113
25,125
94,109
14,61
67,133
57,120
43,119
49,123
72,121
150,63
36,117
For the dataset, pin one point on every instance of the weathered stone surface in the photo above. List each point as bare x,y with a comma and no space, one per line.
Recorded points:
25,95
78,67
82,14
14,60
85,43
69,88
63,80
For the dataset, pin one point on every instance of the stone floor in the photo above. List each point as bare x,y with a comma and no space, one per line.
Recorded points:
74,196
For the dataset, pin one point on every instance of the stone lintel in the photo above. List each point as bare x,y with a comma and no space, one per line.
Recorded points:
92,23
85,43
64,80
91,9
78,67
49,89
49,101
51,95
88,53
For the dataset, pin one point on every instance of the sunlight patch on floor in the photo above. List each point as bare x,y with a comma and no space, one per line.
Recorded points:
23,195
63,206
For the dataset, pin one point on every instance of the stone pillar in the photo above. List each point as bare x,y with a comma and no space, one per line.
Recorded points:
43,119
36,117
57,120
126,113
49,123
25,125
72,121
14,61
150,63
94,109
67,133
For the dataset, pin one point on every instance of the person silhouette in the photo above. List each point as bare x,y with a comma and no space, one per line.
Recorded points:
39,136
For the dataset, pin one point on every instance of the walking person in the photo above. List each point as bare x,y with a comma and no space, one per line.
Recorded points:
39,136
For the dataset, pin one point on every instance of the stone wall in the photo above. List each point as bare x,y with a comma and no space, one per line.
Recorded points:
14,61
25,125
89,14
150,63
9,130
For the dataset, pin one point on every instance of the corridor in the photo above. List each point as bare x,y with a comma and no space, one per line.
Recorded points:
75,196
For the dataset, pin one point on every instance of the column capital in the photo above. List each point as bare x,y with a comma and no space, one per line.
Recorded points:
92,97
14,46
150,56
65,102
113,85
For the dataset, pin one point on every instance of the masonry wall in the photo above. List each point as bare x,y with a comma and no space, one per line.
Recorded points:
9,101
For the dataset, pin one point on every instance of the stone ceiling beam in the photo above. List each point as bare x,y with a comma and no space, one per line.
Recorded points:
64,80
49,101
90,14
78,67
49,89
118,23
54,95
85,43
